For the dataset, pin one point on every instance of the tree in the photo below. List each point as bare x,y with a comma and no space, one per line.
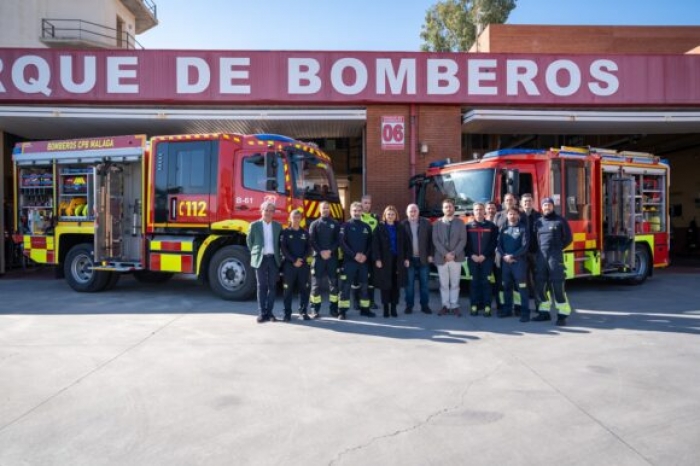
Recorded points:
451,25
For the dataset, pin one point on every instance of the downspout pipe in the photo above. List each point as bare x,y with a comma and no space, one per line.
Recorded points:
413,143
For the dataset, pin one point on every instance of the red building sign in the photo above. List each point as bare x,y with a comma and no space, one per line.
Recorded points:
257,77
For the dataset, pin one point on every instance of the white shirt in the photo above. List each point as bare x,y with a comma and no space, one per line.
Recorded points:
269,247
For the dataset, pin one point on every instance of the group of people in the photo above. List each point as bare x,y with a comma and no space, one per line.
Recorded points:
511,255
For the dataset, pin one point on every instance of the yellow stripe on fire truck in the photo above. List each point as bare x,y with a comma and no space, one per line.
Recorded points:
169,254
40,249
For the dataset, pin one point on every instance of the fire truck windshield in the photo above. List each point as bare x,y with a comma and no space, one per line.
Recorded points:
466,187
313,177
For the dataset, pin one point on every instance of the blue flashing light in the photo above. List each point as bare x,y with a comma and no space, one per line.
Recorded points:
505,152
273,137
439,163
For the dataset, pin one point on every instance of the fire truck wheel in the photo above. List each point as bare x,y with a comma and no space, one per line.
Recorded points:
148,276
230,275
78,270
642,260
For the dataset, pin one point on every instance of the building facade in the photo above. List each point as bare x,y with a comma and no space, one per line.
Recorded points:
383,117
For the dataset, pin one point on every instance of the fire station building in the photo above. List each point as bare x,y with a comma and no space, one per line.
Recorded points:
381,116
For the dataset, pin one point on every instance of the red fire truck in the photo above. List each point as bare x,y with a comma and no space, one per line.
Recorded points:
615,202
101,207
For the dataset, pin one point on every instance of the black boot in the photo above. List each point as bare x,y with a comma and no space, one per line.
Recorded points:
386,311
393,311
542,317
561,320
367,313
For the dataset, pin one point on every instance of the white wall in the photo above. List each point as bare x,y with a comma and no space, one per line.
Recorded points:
20,20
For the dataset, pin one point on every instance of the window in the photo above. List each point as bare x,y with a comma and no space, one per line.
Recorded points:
576,190
313,178
189,167
254,173
524,184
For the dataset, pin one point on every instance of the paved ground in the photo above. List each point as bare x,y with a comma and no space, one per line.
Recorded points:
170,375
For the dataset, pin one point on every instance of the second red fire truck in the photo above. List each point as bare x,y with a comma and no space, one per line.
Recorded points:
615,202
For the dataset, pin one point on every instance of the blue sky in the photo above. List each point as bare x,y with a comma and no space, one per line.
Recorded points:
385,25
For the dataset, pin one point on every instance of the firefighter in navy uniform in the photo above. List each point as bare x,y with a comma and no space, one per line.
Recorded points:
371,219
295,247
513,246
356,242
324,234
553,235
480,252
530,215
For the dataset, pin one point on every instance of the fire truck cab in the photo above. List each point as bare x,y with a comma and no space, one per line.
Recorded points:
102,207
615,202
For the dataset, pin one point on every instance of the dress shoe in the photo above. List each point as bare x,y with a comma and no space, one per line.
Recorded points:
261,319
272,318
444,311
408,310
425,310
542,317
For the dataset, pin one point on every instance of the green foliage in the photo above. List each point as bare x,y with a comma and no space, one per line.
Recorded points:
451,25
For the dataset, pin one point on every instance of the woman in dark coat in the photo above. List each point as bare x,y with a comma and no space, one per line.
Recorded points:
390,253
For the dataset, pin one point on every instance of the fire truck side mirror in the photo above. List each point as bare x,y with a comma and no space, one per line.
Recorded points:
271,161
513,181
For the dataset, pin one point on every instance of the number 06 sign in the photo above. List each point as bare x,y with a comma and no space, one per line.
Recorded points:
393,133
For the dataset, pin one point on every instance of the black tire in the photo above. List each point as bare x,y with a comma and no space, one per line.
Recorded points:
149,276
642,264
112,280
230,275
79,273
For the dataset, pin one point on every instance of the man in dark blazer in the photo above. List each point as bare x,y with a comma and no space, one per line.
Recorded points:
419,233
264,243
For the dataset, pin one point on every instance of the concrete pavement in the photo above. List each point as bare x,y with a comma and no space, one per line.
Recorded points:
171,375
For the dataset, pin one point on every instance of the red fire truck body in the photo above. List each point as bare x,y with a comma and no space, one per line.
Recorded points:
101,207
615,202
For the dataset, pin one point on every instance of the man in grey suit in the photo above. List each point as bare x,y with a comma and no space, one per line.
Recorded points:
449,240
264,243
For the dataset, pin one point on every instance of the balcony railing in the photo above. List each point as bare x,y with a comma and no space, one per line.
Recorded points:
81,33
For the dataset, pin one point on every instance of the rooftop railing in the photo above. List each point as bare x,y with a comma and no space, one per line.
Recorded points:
87,34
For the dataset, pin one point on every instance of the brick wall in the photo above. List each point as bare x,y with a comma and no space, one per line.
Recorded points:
525,38
388,172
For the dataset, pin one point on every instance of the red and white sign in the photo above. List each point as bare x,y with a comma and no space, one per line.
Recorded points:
393,133
197,77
